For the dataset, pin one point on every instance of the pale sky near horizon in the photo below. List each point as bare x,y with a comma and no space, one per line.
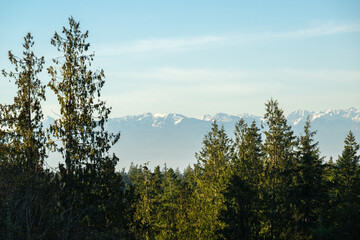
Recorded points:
202,57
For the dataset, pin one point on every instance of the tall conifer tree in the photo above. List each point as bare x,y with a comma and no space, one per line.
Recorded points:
348,190
22,119
83,114
25,195
309,189
279,147
147,208
85,143
169,217
213,173
243,195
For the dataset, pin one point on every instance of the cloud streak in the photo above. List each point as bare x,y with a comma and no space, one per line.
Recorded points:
323,30
148,45
180,89
198,76
186,43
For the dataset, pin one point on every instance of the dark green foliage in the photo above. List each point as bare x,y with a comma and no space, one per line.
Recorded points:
83,114
279,147
91,190
347,192
29,203
243,196
212,176
249,154
161,203
25,189
146,209
309,189
24,136
186,208
169,214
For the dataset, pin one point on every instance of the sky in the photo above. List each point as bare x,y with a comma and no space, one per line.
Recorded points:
201,57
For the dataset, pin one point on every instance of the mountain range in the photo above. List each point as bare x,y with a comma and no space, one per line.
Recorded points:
174,138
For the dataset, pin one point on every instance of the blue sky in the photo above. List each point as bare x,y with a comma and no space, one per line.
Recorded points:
199,57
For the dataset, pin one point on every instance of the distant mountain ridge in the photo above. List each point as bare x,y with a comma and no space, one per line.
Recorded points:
294,118
174,138
351,114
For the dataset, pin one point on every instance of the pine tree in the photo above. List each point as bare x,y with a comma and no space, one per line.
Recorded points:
248,145
187,206
279,147
348,191
213,173
24,186
243,194
348,163
83,114
169,213
309,192
22,119
147,208
81,130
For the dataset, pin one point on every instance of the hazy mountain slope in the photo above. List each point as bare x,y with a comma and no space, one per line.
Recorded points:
171,138
332,126
174,138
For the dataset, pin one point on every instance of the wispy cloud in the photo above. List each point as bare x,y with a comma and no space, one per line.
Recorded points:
197,91
185,43
199,76
181,85
323,30
172,44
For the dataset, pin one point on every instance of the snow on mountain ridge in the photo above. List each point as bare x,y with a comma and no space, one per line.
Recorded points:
155,119
221,117
224,117
294,118
300,115
177,118
160,115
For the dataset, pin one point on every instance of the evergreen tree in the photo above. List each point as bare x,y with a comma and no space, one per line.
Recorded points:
147,208
248,146
279,147
348,191
84,141
243,195
309,190
22,119
213,174
26,193
187,209
83,114
169,213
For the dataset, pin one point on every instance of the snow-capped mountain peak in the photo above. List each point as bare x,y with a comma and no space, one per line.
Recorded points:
157,120
221,117
160,115
299,116
177,118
